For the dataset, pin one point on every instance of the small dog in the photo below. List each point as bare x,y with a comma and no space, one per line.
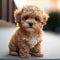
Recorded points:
26,40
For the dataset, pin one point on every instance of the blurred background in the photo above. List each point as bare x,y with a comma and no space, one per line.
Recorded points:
52,7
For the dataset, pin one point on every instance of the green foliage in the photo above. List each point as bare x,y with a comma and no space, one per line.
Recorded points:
53,22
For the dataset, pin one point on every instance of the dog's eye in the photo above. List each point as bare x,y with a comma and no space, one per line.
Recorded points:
36,19
26,17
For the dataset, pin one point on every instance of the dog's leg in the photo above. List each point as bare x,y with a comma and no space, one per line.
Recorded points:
13,49
36,51
24,50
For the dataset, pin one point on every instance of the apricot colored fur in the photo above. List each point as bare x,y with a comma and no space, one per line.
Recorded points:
26,40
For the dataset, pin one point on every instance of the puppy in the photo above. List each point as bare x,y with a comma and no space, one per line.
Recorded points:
26,40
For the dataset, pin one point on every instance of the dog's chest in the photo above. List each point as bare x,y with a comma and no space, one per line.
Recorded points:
33,41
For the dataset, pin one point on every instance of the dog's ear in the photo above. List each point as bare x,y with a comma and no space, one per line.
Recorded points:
45,18
17,15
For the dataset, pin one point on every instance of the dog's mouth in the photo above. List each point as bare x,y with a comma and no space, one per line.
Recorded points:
30,29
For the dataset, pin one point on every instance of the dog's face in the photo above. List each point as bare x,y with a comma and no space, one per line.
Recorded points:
30,18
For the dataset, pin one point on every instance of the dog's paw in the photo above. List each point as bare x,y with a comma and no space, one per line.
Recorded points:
13,53
39,54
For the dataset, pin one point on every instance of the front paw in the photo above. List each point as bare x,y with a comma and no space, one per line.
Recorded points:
13,53
38,54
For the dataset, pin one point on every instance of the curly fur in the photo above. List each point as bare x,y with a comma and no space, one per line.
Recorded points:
26,40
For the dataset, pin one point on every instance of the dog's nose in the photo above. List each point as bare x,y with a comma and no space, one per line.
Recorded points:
30,25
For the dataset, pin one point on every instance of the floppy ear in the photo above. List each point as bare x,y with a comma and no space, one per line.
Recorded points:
17,15
45,18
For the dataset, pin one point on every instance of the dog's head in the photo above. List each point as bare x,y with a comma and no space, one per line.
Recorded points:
30,18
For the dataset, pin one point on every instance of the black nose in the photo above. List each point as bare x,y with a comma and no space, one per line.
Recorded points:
30,25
